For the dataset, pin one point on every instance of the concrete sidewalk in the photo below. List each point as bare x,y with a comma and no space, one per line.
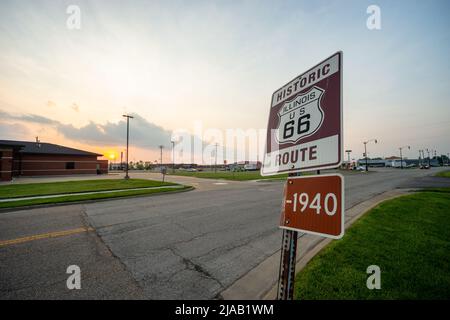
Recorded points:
261,282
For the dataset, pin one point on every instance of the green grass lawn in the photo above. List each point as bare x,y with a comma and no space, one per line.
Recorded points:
84,197
227,175
79,186
47,188
444,174
407,237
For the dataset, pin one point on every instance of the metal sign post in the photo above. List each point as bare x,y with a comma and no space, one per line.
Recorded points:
288,259
287,266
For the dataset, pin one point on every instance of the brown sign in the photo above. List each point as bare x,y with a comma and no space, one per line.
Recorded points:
314,204
304,130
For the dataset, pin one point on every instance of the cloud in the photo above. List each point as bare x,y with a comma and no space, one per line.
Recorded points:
143,133
28,118
75,107
13,131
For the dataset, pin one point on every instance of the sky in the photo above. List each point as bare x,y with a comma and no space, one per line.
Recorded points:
175,64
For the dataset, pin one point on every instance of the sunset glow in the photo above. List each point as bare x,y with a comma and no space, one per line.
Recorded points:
162,63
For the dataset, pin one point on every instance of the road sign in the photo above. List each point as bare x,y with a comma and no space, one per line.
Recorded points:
304,130
314,204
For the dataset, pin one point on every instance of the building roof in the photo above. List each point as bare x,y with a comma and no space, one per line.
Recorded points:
46,148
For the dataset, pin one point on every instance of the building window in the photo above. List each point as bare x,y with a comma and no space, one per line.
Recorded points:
70,165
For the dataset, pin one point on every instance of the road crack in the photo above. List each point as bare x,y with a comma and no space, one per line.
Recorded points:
191,265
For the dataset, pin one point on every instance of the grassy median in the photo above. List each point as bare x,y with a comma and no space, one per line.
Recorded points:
227,175
80,186
407,237
444,174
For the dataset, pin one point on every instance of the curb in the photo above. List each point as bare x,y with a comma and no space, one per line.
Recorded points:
50,205
261,282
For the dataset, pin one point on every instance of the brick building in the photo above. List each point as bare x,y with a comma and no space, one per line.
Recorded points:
23,158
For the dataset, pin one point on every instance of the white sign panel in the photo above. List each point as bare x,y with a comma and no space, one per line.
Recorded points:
304,130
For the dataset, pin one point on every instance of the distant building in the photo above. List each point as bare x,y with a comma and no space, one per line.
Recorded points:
24,158
397,163
391,162
412,162
348,165
244,166
392,158
116,166
252,166
371,162
432,162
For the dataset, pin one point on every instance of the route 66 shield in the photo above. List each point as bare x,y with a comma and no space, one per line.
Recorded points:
300,117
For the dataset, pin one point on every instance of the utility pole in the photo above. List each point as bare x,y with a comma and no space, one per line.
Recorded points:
365,151
173,156
160,157
401,156
215,163
128,137
163,170
428,152
348,154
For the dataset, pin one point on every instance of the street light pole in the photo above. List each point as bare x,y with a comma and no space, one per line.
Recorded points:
348,154
128,137
173,156
163,170
161,148
215,163
365,154
401,157
365,151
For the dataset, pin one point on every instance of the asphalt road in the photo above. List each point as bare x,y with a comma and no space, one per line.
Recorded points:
190,245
